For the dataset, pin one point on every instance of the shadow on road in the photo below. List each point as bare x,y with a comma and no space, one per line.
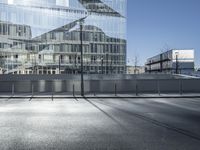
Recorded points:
105,113
153,121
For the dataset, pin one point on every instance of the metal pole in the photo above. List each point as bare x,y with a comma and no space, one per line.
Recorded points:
75,63
111,69
136,89
158,84
102,65
59,63
181,87
115,89
161,62
81,48
176,64
106,63
32,89
13,89
73,90
52,90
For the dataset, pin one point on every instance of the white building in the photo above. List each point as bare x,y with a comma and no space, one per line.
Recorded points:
135,70
173,61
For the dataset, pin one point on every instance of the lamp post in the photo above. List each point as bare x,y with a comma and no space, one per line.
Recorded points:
75,59
81,49
176,62
59,64
81,22
150,67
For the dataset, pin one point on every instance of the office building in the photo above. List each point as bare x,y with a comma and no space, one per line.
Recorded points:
43,37
135,69
172,61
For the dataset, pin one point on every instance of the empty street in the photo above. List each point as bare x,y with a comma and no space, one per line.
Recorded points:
100,124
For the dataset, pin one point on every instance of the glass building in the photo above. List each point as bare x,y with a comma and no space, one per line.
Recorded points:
43,37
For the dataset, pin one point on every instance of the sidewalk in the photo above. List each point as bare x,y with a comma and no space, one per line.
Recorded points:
70,95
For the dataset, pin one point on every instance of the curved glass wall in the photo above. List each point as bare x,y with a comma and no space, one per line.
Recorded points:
43,37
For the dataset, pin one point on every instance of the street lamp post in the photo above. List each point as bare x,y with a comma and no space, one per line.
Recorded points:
75,63
59,64
81,49
150,67
176,62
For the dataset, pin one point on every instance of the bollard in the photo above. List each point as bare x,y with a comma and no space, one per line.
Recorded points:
115,89
73,90
13,89
136,89
158,86
52,90
180,87
32,90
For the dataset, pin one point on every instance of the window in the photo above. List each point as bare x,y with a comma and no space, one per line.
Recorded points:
16,56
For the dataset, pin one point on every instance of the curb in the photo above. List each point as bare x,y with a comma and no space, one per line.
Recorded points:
94,97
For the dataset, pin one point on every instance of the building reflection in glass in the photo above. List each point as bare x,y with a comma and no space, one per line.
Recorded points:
43,37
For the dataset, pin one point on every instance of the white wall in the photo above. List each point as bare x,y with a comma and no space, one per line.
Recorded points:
184,55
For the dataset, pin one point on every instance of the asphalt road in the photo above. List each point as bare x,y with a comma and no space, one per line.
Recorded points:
100,124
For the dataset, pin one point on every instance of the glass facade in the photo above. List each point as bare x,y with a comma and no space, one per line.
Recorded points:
43,37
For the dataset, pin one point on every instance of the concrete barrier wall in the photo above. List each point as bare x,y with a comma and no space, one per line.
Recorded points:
103,86
11,77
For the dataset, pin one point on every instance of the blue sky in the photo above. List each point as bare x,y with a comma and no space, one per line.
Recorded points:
156,25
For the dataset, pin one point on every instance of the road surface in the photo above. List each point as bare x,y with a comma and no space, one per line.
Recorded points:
100,124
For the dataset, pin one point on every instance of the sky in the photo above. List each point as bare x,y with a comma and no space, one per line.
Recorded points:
156,25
